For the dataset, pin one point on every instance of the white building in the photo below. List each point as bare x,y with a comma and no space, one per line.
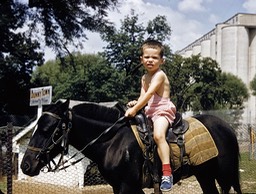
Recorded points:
233,45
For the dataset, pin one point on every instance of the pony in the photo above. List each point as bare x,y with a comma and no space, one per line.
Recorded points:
103,135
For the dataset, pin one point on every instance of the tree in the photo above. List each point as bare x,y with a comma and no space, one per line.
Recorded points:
18,55
23,29
91,79
123,47
66,21
198,84
178,73
253,85
194,82
233,91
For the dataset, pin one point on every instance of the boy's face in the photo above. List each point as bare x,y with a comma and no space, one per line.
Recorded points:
151,59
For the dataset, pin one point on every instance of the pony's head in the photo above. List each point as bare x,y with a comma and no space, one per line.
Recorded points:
48,139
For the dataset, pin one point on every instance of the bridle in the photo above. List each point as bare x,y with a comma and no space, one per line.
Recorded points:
51,142
62,163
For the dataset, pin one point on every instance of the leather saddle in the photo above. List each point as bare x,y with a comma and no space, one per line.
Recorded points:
145,127
175,134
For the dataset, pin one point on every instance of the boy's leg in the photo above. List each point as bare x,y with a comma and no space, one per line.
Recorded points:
160,127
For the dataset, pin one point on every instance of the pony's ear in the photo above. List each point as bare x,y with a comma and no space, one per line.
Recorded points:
65,105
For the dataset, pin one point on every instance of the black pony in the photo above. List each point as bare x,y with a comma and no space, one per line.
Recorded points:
99,133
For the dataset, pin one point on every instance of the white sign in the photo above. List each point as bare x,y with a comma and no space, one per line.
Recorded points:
40,96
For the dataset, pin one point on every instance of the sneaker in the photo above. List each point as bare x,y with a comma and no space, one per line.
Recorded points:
167,183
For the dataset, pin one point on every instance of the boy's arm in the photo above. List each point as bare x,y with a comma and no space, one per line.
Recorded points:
146,95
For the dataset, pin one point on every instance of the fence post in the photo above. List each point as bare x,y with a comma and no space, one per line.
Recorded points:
1,159
252,143
9,157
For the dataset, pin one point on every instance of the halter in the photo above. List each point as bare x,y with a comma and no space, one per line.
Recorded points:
64,139
51,142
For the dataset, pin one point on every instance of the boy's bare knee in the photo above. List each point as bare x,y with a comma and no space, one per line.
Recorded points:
158,138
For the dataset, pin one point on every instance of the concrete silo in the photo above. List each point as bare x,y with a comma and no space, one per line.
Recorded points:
205,48
196,49
252,71
234,52
213,46
188,53
252,53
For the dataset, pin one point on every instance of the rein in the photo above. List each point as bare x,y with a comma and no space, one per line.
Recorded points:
89,144
64,139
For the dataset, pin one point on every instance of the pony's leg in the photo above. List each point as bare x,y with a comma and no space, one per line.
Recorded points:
128,189
206,175
228,176
207,184
225,185
115,190
157,188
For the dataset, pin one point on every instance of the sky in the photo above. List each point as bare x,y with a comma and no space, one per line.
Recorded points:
188,19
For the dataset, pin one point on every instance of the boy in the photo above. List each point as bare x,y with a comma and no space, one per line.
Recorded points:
155,93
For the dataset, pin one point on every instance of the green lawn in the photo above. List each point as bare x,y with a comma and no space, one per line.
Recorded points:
247,174
3,185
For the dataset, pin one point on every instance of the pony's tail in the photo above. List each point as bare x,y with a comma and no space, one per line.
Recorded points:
236,180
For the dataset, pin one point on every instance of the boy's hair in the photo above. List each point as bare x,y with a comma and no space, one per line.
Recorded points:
150,43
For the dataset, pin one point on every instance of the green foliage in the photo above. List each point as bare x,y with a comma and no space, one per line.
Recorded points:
253,85
248,173
194,82
123,47
234,92
25,29
159,29
65,21
90,79
179,76
204,92
198,84
18,55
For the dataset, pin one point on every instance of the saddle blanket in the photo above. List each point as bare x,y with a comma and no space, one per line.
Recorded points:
199,145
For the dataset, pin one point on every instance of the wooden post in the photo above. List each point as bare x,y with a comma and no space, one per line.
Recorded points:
9,157
252,151
1,160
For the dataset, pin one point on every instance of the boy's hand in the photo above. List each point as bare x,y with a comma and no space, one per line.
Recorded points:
131,103
130,112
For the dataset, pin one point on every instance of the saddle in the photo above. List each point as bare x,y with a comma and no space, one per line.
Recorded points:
145,127
175,134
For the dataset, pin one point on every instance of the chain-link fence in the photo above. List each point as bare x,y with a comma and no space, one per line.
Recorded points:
84,177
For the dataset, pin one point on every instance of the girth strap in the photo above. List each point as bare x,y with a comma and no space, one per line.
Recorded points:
137,136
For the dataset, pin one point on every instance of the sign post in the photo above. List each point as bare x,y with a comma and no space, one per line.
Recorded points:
39,97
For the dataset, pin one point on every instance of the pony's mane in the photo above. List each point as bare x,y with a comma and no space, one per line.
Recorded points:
97,112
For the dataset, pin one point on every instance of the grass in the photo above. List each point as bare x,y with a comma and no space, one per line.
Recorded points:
247,173
3,184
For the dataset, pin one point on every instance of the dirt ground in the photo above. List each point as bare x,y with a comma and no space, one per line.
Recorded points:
24,187
186,186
